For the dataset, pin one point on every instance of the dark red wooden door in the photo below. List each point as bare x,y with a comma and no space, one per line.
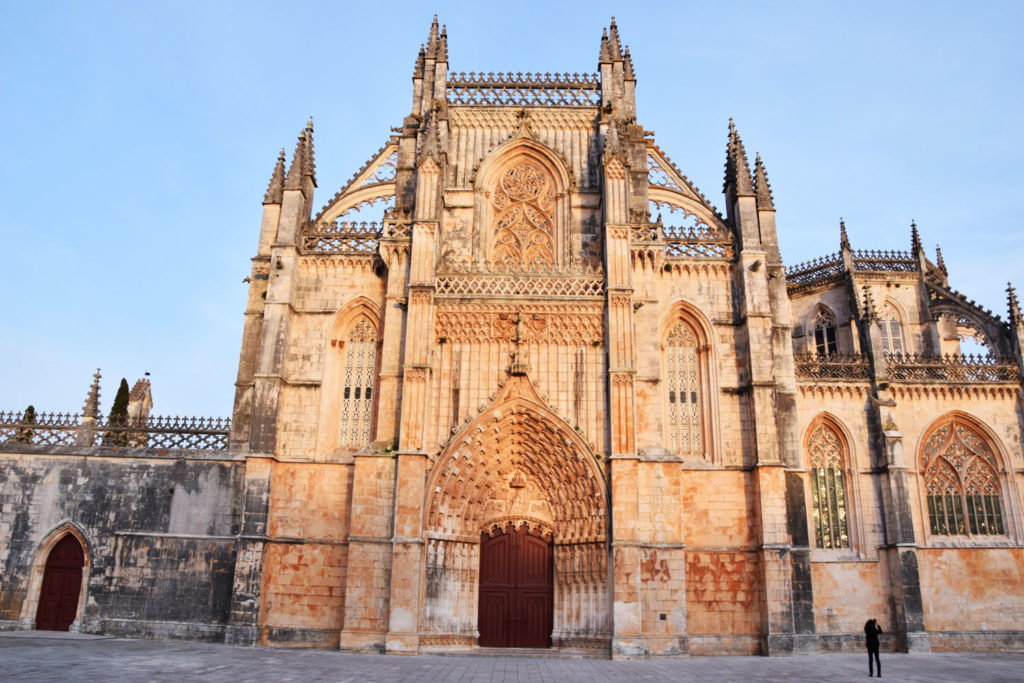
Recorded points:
516,590
62,582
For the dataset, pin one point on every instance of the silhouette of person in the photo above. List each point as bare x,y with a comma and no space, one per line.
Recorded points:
871,631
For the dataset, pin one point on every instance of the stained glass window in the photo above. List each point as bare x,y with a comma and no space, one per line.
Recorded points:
828,490
892,331
961,485
825,333
683,383
357,386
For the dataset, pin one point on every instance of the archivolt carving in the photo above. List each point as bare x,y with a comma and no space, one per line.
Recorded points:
470,484
517,463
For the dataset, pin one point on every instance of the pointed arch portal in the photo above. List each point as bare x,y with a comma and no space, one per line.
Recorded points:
516,532
62,583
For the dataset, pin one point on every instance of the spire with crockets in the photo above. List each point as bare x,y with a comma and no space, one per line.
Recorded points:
303,164
762,188
276,185
737,168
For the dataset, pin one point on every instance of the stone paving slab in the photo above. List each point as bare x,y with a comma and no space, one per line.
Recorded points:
55,658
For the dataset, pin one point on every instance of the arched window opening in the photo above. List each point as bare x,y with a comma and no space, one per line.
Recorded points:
961,484
971,340
828,490
523,228
892,331
825,334
357,388
682,372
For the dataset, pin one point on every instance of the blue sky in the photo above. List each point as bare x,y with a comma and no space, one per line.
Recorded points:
136,140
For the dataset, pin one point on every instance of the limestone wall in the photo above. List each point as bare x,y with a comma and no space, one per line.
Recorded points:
159,532
967,591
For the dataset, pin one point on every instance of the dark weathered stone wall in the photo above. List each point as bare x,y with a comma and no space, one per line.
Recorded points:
161,531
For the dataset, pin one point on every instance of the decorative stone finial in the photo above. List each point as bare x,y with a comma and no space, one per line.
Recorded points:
433,40
628,67
762,188
614,46
737,168
1013,303
915,238
939,261
92,401
303,163
844,240
606,51
442,45
276,186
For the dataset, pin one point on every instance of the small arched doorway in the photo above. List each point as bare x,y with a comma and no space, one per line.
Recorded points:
62,584
516,588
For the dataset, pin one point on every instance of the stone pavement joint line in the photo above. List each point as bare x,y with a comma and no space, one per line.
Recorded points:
45,658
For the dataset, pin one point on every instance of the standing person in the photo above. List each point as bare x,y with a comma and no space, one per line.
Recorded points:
871,631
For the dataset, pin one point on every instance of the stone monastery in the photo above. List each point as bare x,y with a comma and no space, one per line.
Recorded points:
551,398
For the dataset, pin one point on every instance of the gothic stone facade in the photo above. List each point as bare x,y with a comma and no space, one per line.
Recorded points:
555,398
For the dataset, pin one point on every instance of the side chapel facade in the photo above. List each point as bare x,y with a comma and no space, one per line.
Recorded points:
554,398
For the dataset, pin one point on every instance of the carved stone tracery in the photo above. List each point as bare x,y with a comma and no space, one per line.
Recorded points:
961,482
523,225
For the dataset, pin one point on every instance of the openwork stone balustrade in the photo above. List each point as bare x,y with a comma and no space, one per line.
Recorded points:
341,237
165,433
827,268
908,368
950,368
812,366
519,89
698,241
51,429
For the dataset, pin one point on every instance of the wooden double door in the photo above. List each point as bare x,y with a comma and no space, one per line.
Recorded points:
516,589
62,583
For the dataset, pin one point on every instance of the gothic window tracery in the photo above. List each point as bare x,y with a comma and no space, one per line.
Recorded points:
826,453
682,374
523,228
825,333
892,331
961,482
357,384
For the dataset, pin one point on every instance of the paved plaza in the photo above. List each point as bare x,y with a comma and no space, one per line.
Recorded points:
32,656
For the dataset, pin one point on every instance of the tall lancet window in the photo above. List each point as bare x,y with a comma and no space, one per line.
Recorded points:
828,492
960,483
357,390
892,330
825,333
682,375
524,210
